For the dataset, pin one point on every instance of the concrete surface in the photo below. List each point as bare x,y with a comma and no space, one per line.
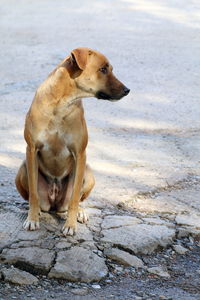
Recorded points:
144,149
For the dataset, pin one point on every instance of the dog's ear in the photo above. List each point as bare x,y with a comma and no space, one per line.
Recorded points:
80,56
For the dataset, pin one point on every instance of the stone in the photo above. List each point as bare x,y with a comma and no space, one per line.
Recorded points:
96,286
158,271
89,245
79,264
189,231
118,221
180,249
80,291
47,243
124,258
182,233
118,269
25,235
157,221
24,244
169,217
82,234
93,212
63,245
195,233
188,220
108,281
31,258
94,223
10,225
14,275
139,238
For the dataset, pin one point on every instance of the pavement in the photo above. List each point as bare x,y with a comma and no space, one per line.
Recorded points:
144,149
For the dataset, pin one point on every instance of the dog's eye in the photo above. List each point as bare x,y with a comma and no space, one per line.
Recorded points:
103,70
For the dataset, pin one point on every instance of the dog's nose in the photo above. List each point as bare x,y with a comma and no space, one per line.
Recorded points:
126,90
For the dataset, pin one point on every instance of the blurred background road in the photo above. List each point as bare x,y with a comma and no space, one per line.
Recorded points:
144,149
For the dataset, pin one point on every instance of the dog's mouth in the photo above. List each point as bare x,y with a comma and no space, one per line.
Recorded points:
114,97
104,96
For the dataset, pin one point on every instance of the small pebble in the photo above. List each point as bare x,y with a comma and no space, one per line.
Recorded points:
69,284
180,249
119,269
152,295
158,271
108,281
80,291
191,240
96,286
140,294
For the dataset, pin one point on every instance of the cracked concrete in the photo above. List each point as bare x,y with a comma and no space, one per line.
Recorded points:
46,251
144,150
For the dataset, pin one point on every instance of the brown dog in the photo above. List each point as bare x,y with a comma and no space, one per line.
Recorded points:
55,174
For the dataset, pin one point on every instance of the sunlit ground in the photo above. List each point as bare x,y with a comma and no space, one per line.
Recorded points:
139,143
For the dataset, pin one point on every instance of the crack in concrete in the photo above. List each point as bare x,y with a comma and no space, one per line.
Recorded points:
189,181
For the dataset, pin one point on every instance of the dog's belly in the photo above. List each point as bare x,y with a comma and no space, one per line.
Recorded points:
54,163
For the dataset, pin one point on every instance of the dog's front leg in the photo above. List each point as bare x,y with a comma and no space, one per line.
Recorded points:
71,223
32,221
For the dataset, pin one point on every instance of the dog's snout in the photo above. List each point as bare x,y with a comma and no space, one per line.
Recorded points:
126,90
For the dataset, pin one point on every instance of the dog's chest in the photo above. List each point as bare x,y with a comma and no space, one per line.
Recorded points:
55,143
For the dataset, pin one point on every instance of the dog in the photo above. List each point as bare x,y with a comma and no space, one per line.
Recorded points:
55,174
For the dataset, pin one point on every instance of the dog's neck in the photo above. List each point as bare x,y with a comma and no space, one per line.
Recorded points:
61,95
64,87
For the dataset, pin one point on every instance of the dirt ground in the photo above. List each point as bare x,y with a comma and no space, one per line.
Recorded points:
144,150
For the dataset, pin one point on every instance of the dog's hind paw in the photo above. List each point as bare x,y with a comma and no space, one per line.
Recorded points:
82,216
31,225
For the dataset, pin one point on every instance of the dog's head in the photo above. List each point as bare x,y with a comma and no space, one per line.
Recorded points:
93,74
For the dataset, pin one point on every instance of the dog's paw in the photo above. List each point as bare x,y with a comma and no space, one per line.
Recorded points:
82,216
31,225
69,230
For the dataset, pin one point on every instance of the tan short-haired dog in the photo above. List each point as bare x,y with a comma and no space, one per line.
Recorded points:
55,174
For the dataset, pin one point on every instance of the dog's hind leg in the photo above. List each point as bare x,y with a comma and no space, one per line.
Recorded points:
43,188
21,182
88,184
